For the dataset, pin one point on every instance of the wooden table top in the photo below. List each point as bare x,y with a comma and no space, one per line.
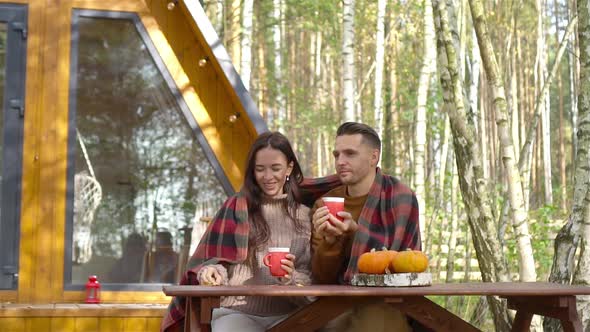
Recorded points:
481,288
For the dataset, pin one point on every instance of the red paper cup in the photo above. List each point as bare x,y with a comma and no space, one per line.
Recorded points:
273,260
335,205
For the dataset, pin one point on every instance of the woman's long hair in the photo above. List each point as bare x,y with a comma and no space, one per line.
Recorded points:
259,230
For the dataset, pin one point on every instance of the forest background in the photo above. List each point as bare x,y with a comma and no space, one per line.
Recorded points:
483,108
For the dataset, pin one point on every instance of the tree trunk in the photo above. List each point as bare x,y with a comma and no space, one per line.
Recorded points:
546,105
561,152
526,152
471,181
246,59
577,227
428,68
379,63
278,67
348,60
519,215
232,39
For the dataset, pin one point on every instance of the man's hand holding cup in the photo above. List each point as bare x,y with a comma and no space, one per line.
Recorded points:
331,221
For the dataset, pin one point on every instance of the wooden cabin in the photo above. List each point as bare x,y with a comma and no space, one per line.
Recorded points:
124,123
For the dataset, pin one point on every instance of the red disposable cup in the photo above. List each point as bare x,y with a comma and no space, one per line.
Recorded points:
273,260
335,205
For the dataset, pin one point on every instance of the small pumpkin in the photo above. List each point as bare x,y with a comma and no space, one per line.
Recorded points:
375,262
409,261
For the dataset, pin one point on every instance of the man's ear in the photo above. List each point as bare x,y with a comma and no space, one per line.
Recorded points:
375,157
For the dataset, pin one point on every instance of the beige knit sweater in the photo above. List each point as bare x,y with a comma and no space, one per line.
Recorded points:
282,234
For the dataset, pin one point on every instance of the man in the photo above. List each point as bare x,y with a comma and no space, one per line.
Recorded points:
380,212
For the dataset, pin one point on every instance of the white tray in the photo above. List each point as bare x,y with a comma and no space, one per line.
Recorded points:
392,280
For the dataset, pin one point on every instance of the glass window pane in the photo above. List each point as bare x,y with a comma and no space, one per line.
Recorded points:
140,174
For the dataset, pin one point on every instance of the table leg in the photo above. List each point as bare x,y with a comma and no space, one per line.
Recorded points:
430,314
560,307
315,315
207,306
522,321
190,319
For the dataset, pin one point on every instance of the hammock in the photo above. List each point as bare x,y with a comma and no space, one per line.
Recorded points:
87,197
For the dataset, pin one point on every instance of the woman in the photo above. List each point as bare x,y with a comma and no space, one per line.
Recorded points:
265,213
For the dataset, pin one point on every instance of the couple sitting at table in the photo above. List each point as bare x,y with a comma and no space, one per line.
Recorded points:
271,210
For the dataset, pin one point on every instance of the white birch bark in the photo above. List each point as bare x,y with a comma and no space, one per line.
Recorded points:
428,68
233,37
379,64
546,106
473,185
348,75
278,65
582,275
246,58
519,215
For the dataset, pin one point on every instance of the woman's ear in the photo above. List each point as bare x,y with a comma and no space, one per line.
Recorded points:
290,168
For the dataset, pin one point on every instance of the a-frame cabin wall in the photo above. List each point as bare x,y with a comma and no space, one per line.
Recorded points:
211,100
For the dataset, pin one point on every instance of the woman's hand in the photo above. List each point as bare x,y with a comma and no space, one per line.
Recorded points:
209,276
288,265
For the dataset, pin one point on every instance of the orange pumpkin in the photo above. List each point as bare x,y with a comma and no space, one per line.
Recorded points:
375,262
409,261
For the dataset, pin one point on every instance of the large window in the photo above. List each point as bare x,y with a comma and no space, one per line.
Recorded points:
140,173
12,85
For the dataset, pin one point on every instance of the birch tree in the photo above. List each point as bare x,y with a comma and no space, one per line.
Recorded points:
348,59
473,185
577,229
379,64
278,65
582,275
246,57
428,68
519,214
233,37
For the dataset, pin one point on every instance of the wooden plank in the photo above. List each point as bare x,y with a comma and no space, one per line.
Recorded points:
8,296
432,315
317,314
108,324
549,306
153,324
30,221
12,324
133,324
37,324
531,290
84,324
120,297
81,310
63,324
112,5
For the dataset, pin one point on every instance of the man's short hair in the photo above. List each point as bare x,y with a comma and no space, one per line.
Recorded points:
369,134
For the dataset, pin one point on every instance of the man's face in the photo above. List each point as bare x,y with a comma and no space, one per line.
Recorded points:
354,159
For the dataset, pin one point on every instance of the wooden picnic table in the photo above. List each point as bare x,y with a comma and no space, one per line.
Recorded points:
541,298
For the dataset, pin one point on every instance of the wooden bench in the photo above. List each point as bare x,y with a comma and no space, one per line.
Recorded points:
547,299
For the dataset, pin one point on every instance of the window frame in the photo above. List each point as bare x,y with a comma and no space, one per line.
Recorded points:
72,146
13,112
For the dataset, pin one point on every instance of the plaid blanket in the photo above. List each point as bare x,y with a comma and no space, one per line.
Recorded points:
226,241
388,219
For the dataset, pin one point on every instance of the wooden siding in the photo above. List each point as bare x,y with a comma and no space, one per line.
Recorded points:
80,317
205,87
42,224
